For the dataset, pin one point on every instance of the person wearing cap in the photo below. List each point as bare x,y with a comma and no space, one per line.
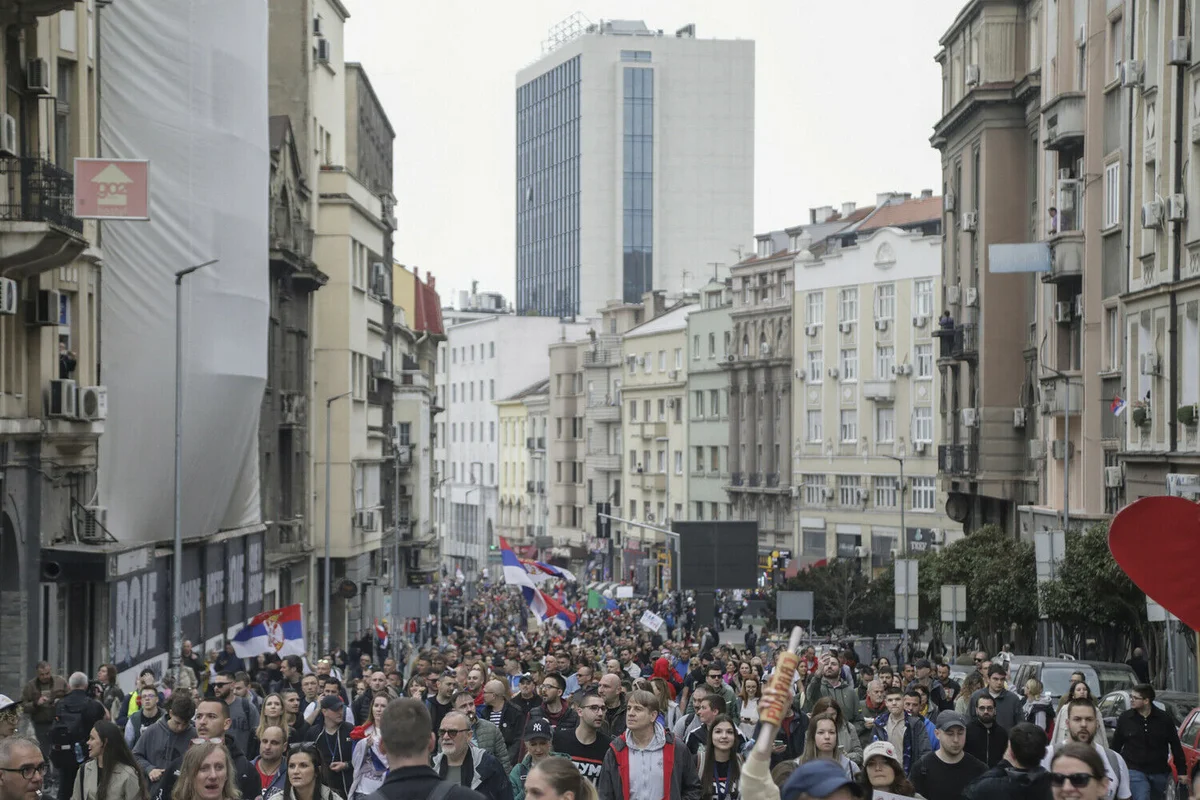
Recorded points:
818,780
883,772
944,773
924,677
332,738
10,713
537,748
526,699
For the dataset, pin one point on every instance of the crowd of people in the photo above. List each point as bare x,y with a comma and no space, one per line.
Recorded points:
608,709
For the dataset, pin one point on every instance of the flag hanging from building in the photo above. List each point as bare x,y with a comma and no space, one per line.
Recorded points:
280,631
1117,406
546,608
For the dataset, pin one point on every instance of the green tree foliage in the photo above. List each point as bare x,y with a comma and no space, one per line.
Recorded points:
845,600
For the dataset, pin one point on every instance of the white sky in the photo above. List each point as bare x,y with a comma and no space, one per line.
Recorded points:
847,93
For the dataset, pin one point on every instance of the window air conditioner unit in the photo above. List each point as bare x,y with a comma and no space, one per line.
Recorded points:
365,521
827,493
970,418
861,552
323,50
846,327
1152,214
1148,364
811,330
919,448
8,296
1179,51
1018,418
919,321
972,76
1114,477
948,201
881,324
833,373
45,307
9,145
972,296
801,374
62,398
1037,449
970,220
952,295
93,402
37,77
937,536
731,358
1064,311
1131,73
1177,208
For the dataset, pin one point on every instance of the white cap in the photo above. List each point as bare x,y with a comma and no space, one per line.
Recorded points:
6,702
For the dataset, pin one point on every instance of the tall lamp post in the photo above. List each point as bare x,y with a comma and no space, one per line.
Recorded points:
177,567
903,546
328,593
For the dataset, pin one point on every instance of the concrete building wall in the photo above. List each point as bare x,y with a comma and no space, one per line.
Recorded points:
708,329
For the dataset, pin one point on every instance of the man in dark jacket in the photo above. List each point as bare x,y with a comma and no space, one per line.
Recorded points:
1008,704
332,738
1019,775
504,715
629,769
408,738
212,722
1144,736
38,699
986,740
78,712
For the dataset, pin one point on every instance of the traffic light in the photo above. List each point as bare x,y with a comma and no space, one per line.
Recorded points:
775,560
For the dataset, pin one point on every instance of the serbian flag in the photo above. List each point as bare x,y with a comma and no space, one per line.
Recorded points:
280,631
542,571
546,608
381,633
1117,405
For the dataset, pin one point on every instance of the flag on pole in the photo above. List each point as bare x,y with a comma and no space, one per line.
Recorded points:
546,608
280,631
1117,405
381,633
540,571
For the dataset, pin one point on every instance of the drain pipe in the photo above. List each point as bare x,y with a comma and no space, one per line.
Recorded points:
1177,237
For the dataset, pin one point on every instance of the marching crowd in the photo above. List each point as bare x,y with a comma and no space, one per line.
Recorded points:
607,709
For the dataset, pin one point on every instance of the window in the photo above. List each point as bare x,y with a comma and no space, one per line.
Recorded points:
698,404
491,349
714,402
712,345
632,364
923,355
662,360
63,156
885,301
714,459
662,410
648,362
922,424
923,297
848,486
454,392
678,409
715,510
491,431
849,425
1116,49
472,352
491,389
635,55
812,425
678,358
699,511
885,424
814,308
885,361
633,410
1112,194
816,366
699,463
814,489
696,347
850,363
924,494
646,410
678,462
848,305
1112,330
662,460
887,489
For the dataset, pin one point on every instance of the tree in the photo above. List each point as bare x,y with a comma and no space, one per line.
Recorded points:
845,599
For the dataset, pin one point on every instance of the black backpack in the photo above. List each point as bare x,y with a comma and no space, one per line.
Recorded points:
67,731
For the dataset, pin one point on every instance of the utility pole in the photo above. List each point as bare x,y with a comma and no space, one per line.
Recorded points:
328,593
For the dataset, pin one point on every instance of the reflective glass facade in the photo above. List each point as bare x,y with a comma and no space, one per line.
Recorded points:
547,203
638,183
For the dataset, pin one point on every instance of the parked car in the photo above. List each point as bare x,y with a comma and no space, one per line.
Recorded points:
1177,705
1189,736
1114,676
1055,676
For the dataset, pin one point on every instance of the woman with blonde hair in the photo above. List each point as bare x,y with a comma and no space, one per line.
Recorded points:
274,714
971,684
556,778
1037,709
669,714
206,774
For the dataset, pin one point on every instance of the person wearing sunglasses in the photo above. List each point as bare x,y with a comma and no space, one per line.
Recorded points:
1019,773
463,764
1077,773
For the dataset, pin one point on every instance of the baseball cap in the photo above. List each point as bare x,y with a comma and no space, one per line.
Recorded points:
950,719
923,663
885,749
537,728
332,703
819,778
6,702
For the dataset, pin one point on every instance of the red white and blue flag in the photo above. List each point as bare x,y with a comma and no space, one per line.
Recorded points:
1117,405
541,571
381,633
280,631
546,608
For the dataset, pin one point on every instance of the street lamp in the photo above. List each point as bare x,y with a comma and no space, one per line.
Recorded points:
903,545
328,561
176,579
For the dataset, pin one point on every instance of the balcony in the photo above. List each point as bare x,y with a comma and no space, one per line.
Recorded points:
957,459
26,10
1066,257
536,443
736,479
1055,398
654,481
603,407
880,390
286,541
605,463
1064,118
39,229
755,479
654,430
960,343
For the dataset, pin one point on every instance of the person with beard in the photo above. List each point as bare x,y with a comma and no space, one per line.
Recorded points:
241,713
484,734
586,744
554,709
944,773
464,764
610,691
332,739
986,739
269,764
212,724
1082,724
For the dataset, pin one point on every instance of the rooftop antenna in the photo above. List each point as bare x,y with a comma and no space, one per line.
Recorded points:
716,265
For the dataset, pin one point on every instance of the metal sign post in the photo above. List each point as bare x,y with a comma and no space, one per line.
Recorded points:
794,607
907,601
1156,613
1049,548
954,611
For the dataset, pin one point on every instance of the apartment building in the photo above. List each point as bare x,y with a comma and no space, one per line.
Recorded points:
51,422
866,388
709,337
524,506
566,449
655,436
988,136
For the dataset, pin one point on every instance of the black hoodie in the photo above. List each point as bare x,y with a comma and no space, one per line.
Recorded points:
1006,782
248,782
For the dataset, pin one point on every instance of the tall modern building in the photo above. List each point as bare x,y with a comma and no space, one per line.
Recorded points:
635,164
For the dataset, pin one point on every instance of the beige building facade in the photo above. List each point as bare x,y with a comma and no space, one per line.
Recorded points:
523,510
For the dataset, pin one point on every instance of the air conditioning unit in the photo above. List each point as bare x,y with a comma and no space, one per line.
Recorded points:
1114,477
1177,208
1064,311
37,76
1152,214
827,493
970,220
1018,418
795,492
93,402
948,201
893,553
765,350
971,296
1148,364
919,448
1037,449
9,296
801,374
861,552
366,521
919,321
95,518
881,324
1131,73
972,76
1179,51
833,373
9,146
672,401
379,279
937,536
906,369
952,295
1059,449
811,330
672,375
62,398
323,50
44,310
731,358
970,417
846,327
862,496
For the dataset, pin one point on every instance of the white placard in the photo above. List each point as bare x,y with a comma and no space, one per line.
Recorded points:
652,621
624,591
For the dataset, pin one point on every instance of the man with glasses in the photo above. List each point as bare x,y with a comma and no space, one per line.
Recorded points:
1009,707
611,693
484,734
587,743
714,679
1144,736
1082,724
22,769
554,709
463,764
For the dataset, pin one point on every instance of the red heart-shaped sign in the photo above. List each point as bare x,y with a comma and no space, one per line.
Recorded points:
1155,540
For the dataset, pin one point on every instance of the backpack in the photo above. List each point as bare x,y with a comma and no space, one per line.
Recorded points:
67,734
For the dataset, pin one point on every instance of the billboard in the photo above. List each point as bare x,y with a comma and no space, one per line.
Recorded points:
718,555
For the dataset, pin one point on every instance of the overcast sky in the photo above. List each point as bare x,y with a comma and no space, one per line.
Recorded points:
846,96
